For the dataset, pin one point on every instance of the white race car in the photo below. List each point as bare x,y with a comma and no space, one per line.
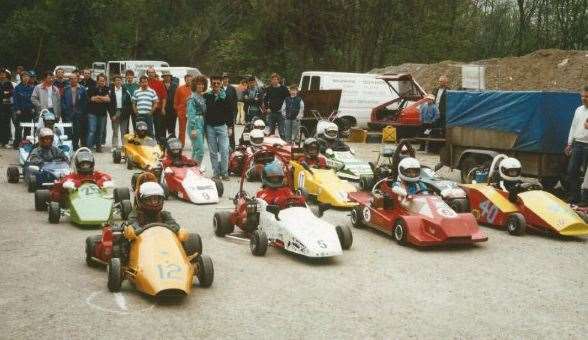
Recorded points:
190,184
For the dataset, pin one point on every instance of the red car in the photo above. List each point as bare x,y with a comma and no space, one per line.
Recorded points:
240,159
421,220
190,184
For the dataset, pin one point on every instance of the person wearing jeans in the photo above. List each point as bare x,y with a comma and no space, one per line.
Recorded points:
577,150
144,102
98,102
195,117
73,104
275,95
22,107
120,110
292,110
217,115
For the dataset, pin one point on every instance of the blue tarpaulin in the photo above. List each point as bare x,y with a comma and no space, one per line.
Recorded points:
540,119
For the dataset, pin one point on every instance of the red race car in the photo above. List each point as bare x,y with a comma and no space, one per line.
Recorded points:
421,220
190,184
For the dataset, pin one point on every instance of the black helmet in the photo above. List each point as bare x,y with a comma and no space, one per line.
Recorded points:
142,128
174,147
84,161
311,147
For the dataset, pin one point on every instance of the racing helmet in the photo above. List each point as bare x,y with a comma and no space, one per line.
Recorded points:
84,162
142,129
409,169
45,137
48,117
272,175
331,131
311,147
256,137
510,169
259,124
174,148
151,198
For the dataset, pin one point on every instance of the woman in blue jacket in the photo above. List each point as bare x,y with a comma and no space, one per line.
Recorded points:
195,114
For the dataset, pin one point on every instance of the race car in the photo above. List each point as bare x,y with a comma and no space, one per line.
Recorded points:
240,159
421,220
294,228
88,205
44,176
145,155
190,184
350,167
167,275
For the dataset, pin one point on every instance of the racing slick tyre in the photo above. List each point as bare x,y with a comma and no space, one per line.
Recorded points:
125,209
165,190
130,165
258,243
460,205
134,181
12,174
515,224
32,183
41,199
205,272
220,189
357,217
222,223
193,244
91,243
116,156
54,212
115,274
345,236
400,232
365,183
120,194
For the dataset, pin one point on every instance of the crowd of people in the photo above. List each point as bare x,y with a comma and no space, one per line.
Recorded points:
203,108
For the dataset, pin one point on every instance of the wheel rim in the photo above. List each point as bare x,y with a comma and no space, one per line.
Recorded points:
512,225
354,218
399,232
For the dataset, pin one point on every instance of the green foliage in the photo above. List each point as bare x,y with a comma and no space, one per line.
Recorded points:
285,36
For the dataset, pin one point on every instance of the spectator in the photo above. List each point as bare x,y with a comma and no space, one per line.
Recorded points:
46,96
577,149
33,78
144,103
98,102
74,103
216,117
195,115
158,115
441,99
231,93
275,95
240,120
22,107
252,101
18,75
130,86
7,91
87,80
292,110
170,112
180,100
120,110
59,81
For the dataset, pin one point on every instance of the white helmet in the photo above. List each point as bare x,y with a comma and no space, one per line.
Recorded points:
331,131
510,169
409,169
259,124
256,137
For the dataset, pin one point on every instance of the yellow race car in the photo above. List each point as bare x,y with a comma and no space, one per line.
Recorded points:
322,184
143,153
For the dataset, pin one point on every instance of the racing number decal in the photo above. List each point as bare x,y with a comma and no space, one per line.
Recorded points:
205,195
87,191
366,214
489,211
322,244
301,179
169,272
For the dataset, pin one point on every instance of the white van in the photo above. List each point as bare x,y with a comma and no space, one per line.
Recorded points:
360,92
113,68
67,69
178,72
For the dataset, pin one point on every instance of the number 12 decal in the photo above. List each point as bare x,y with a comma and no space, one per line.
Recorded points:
169,272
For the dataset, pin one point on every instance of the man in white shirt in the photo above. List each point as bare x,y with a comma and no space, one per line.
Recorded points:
577,150
120,110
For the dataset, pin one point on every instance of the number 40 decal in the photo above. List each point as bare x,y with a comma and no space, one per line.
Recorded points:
489,211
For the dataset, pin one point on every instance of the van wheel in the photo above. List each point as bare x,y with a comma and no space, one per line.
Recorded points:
205,273
345,236
515,224
54,212
258,243
115,275
41,199
193,244
222,223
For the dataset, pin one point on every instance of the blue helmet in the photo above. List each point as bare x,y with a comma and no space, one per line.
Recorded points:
273,175
48,116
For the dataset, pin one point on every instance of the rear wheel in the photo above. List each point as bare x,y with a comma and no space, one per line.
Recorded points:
41,199
116,156
125,209
32,183
130,164
357,217
258,243
115,275
193,244
205,272
91,243
222,223
134,181
515,224
459,205
12,174
54,212
400,232
220,189
365,183
345,236
121,194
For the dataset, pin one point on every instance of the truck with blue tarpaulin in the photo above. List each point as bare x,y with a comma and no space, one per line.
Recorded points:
532,126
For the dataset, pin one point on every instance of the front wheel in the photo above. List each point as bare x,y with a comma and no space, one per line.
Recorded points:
400,232
193,244
116,156
258,243
345,236
41,199
357,217
515,224
219,187
54,212
125,209
115,275
13,174
32,183
205,271
120,194
222,223
91,242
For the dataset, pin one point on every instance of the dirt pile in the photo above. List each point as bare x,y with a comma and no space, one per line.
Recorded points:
540,70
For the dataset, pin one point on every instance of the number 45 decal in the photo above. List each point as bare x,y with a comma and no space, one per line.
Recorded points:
488,211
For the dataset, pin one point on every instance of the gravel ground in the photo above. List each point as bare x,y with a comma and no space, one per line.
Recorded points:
509,287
